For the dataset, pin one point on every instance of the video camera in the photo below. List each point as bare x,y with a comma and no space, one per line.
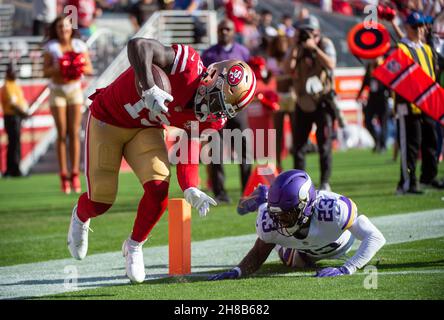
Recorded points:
304,35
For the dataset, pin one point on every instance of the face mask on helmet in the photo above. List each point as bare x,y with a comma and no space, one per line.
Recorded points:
290,221
225,88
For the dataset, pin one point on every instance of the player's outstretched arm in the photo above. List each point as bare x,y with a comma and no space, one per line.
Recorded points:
250,263
371,241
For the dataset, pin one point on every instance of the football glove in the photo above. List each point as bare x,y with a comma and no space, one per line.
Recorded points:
332,272
232,274
199,200
155,99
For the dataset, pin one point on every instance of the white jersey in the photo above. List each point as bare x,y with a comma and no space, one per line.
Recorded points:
328,236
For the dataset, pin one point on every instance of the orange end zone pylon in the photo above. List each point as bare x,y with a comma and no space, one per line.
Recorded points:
179,233
262,174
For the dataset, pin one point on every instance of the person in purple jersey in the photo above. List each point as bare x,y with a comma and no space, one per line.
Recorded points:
304,226
225,49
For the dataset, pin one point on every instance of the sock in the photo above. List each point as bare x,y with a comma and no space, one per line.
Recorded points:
151,207
87,208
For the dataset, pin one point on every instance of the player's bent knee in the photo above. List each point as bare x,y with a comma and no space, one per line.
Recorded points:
61,137
156,189
161,170
91,208
290,257
157,170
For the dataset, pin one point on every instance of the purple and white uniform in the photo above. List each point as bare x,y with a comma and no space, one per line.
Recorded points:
334,226
328,236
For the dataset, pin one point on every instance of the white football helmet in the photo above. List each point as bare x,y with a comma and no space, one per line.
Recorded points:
225,88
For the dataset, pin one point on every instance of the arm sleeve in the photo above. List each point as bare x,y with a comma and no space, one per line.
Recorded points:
181,62
371,241
188,171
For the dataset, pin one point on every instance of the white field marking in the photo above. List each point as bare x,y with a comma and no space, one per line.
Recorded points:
48,277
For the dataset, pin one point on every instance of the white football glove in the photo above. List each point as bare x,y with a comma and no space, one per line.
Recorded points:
155,99
199,200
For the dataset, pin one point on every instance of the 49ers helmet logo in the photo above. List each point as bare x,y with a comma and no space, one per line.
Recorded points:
235,75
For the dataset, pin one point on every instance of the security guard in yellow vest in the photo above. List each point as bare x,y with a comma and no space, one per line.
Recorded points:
415,129
14,110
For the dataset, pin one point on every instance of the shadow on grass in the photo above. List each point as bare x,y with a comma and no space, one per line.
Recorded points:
265,272
273,269
61,281
421,264
62,297
165,266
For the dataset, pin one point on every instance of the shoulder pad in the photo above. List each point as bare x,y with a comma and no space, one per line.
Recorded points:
348,213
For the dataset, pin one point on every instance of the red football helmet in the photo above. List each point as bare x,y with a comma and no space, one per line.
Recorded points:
225,88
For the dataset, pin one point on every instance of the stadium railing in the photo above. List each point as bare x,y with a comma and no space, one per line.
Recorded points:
168,26
6,19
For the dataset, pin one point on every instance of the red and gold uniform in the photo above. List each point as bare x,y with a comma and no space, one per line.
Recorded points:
119,125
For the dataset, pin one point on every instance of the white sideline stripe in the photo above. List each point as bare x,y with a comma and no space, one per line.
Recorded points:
47,278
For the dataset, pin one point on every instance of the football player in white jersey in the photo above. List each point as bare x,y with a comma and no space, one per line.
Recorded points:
305,226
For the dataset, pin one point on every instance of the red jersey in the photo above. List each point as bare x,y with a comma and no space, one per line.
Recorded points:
120,105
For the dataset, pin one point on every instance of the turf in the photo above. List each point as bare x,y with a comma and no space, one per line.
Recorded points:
405,271
35,217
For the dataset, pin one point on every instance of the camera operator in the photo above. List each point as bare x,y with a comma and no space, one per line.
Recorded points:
311,60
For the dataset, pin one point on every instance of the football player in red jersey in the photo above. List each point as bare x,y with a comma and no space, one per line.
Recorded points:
124,123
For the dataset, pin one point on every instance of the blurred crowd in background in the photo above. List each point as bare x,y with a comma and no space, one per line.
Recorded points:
287,52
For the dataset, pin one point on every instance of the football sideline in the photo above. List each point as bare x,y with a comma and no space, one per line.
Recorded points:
107,269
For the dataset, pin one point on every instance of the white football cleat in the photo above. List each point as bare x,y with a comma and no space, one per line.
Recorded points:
134,265
78,236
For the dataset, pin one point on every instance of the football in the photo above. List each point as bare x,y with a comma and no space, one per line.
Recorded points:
160,78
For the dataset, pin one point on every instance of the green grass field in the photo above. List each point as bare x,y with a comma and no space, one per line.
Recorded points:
35,218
